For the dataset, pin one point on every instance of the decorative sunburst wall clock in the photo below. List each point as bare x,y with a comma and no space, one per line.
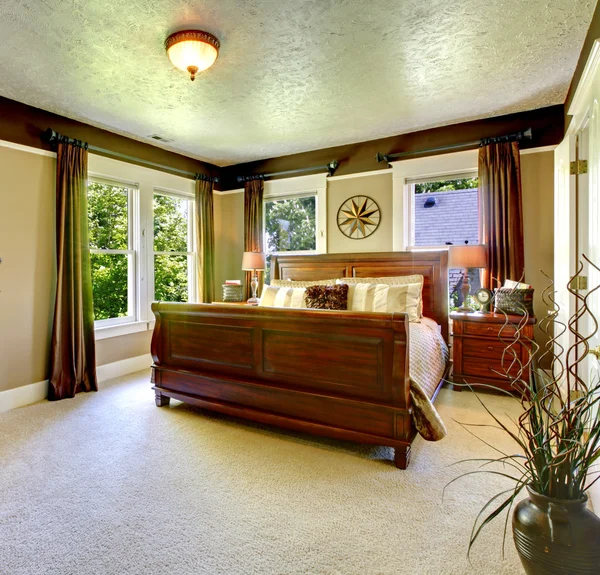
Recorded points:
358,217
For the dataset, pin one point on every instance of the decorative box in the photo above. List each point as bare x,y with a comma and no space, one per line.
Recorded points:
232,292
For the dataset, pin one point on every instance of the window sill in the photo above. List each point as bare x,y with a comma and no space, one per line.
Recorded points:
123,329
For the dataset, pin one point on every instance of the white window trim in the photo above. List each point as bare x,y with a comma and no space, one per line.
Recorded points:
131,252
442,165
302,186
147,181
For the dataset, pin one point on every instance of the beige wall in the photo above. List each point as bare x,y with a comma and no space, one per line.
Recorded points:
27,273
379,188
537,180
122,347
229,239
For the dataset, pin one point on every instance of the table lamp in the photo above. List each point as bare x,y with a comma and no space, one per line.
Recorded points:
467,257
252,262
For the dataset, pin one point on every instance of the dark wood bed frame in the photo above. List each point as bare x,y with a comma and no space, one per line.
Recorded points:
336,374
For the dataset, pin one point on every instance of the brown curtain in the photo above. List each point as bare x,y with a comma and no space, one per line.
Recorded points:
253,226
501,212
73,351
205,241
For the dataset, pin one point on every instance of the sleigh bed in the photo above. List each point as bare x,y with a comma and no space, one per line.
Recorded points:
339,374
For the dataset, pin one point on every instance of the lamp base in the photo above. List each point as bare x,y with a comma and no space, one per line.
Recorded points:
253,301
465,309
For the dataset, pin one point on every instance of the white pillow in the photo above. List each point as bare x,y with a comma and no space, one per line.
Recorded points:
302,284
386,298
391,280
273,296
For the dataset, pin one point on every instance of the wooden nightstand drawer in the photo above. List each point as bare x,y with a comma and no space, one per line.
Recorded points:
488,329
486,348
491,369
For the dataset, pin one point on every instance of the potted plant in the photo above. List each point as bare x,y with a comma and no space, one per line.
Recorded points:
558,438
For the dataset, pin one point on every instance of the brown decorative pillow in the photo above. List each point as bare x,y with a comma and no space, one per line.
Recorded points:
327,297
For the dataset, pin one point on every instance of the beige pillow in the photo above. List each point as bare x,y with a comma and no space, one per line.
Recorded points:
273,296
302,284
391,280
386,298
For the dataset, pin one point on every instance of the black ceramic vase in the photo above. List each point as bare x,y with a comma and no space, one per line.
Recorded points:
556,536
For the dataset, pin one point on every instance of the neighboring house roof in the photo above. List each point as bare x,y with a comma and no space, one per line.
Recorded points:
454,218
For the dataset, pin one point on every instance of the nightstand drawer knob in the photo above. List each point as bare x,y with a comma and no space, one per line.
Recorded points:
490,348
488,329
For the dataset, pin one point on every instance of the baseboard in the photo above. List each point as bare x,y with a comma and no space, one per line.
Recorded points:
24,395
34,392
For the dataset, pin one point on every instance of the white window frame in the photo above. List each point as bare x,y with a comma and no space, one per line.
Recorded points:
314,185
191,242
406,171
147,180
131,252
410,191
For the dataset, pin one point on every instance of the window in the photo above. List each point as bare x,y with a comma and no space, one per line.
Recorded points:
290,226
174,256
444,212
111,211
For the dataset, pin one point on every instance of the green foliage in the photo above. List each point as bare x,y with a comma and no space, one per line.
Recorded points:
290,225
170,235
447,185
170,278
108,225
108,208
170,224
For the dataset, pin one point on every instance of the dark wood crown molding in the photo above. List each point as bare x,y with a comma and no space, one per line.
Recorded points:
23,124
547,126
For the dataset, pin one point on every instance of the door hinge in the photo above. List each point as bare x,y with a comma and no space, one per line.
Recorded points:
579,167
578,283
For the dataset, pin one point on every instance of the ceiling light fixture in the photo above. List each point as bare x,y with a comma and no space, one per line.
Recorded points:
192,50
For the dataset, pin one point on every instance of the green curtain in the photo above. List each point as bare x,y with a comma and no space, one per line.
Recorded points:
501,213
73,351
205,241
253,226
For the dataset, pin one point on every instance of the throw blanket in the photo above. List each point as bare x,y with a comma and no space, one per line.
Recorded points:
428,359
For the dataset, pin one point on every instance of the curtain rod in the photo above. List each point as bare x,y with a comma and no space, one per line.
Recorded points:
54,138
331,167
516,137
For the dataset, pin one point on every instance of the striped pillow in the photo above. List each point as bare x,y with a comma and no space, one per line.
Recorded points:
391,280
273,296
386,298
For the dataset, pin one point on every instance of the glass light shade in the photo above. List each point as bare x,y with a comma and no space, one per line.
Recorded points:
192,50
253,261
473,256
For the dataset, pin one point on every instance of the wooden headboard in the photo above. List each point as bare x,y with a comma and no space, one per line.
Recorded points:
433,266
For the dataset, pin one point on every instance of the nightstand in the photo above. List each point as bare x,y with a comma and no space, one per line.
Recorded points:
477,349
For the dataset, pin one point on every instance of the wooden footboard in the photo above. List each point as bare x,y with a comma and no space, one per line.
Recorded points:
335,374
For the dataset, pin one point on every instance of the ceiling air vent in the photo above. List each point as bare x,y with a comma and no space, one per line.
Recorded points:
429,202
160,138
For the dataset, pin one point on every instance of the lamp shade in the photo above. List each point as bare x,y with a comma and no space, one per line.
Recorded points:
253,261
192,50
474,256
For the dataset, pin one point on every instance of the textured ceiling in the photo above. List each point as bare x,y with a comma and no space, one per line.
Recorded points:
292,75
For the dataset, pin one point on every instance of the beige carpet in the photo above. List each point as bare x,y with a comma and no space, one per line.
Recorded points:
107,483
